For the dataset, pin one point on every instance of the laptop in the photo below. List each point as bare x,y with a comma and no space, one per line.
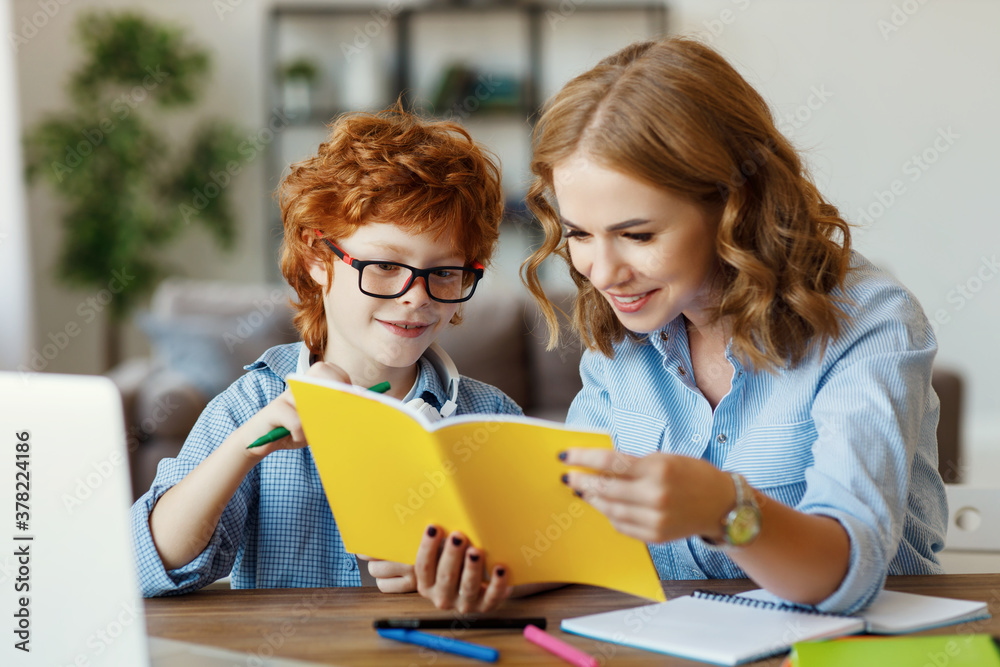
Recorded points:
66,566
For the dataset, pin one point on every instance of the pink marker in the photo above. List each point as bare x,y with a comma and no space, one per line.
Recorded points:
570,654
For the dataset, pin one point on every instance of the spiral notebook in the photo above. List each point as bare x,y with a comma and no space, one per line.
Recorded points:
733,629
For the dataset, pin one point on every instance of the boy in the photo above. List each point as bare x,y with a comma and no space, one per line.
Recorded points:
386,232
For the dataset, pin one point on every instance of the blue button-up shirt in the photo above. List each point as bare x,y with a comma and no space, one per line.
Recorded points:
849,433
278,530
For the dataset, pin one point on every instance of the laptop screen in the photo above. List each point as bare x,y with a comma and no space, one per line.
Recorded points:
66,569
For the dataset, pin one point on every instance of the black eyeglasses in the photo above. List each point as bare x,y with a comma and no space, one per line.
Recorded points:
390,280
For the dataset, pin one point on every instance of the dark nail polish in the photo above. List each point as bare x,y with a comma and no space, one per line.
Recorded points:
474,558
578,494
562,456
565,478
500,571
457,541
431,531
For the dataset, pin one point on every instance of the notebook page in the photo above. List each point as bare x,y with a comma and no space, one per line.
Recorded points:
709,630
893,612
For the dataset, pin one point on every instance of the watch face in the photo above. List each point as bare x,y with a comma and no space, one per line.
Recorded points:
743,525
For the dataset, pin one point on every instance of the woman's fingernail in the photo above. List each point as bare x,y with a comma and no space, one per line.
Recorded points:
565,478
500,571
474,557
579,494
456,540
431,531
562,456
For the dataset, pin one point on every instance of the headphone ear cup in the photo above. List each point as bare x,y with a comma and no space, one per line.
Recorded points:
428,411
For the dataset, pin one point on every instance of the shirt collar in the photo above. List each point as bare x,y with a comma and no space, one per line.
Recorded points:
668,337
280,359
283,360
428,380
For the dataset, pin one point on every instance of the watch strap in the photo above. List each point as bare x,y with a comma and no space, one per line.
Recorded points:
744,498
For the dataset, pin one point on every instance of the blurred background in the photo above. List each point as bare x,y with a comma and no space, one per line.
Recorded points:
191,110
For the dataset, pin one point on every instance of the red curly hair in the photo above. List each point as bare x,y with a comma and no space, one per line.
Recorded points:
390,166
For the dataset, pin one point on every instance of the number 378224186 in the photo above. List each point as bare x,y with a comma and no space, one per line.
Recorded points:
22,480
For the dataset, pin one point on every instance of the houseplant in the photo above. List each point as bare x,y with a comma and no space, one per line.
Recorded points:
128,187
298,77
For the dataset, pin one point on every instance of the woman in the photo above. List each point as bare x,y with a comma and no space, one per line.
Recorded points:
768,390
730,328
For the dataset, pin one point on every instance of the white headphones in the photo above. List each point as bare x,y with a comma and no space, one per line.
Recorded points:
447,372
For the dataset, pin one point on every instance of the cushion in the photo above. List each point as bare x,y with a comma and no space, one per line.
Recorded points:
206,331
210,351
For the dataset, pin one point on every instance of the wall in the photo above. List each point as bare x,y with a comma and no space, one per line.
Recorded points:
16,334
894,103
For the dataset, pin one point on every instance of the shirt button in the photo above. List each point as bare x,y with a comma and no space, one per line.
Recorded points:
740,374
721,438
680,369
664,336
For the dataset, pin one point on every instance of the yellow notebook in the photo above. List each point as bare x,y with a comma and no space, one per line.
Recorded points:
388,474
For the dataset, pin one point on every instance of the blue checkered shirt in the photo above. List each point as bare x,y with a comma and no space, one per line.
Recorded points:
278,530
849,434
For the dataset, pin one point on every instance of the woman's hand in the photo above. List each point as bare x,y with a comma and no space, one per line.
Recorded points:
281,412
449,572
654,498
390,577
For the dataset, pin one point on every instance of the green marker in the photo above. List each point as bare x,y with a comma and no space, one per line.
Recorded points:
282,432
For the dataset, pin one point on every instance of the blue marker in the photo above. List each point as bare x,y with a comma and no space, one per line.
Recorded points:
439,643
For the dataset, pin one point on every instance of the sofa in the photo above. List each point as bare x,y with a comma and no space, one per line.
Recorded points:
203,333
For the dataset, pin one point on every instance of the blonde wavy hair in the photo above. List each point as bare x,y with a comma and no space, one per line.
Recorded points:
390,166
673,113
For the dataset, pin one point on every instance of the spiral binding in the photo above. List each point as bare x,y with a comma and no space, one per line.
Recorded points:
702,594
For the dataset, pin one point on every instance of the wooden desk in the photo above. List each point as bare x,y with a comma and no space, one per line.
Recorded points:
334,625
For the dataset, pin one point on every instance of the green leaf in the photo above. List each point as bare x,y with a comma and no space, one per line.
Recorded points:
128,57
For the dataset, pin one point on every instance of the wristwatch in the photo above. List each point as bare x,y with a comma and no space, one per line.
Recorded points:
742,525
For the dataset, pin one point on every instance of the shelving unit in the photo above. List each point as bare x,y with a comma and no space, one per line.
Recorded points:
368,55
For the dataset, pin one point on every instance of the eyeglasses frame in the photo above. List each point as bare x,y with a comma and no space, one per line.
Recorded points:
477,270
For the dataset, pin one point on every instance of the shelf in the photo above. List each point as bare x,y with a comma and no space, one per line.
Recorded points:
474,7
368,55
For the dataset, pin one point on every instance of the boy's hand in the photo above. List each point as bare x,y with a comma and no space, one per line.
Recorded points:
449,573
390,577
281,412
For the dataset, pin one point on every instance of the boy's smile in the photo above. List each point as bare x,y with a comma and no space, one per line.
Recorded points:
381,339
407,329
